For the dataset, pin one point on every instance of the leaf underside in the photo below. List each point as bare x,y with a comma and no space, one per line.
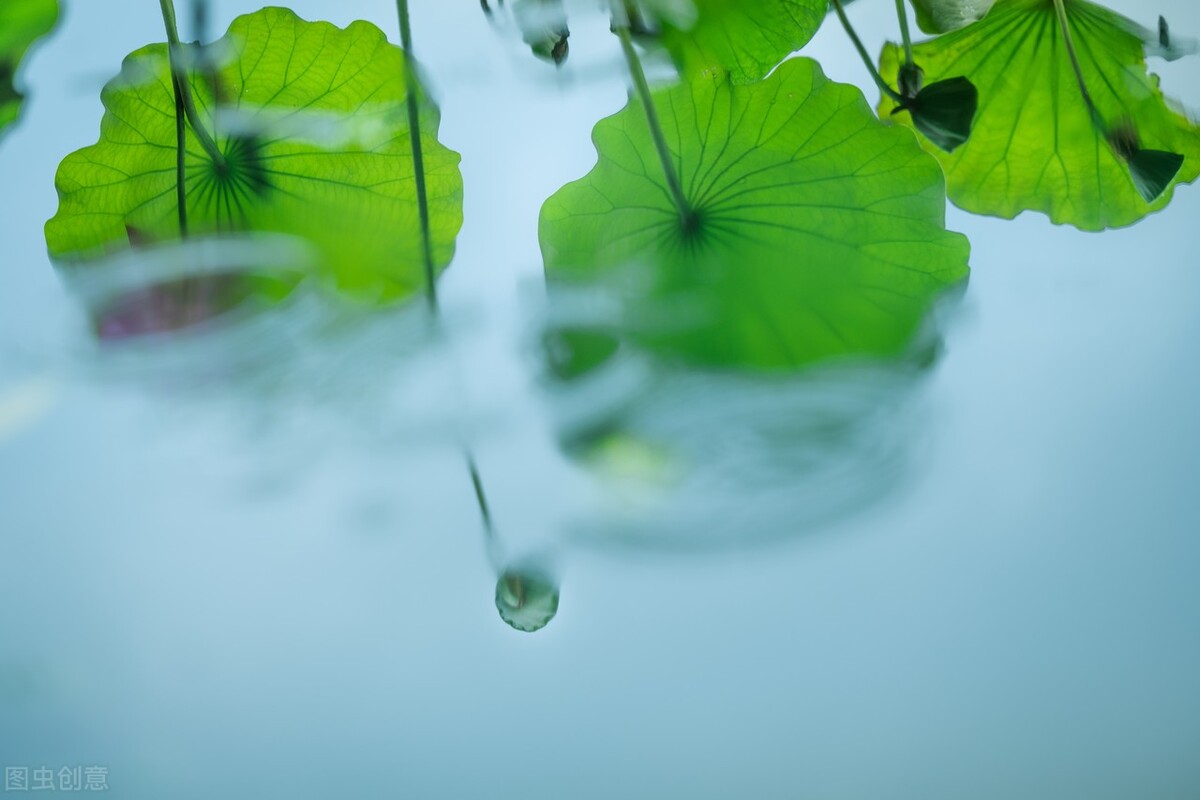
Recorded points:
817,231
312,121
1034,145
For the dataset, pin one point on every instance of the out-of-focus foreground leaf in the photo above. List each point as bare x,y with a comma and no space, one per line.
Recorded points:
1035,145
745,38
22,22
312,123
939,16
814,230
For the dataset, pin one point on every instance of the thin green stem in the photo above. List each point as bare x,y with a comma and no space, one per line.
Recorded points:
412,103
179,71
862,52
1064,24
642,88
412,100
905,36
485,510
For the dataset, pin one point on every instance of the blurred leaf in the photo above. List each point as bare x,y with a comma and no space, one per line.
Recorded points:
1035,145
745,38
544,28
178,304
1161,42
940,16
312,122
816,231
22,22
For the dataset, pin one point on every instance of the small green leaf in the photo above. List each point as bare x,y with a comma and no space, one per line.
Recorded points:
814,231
1153,171
22,22
544,28
944,111
312,123
1035,144
745,38
940,16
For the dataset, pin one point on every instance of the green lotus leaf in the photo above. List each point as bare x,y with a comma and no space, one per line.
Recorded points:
1035,144
940,16
22,22
814,230
746,38
312,123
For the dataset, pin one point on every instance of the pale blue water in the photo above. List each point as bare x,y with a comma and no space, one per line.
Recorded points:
280,588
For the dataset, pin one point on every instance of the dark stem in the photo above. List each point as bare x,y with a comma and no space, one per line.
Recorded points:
179,72
902,13
862,52
180,159
1064,24
412,99
621,27
186,286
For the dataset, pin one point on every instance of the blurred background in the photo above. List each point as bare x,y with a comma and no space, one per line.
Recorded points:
281,586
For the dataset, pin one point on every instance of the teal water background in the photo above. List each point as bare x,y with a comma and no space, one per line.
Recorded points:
216,597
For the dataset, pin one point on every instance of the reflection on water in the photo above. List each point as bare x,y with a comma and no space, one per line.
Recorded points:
750,446
194,314
526,594
244,319
676,457
24,403
698,457
699,460
198,283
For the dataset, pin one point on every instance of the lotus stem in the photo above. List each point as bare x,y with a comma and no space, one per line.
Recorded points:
494,546
412,101
180,158
184,86
642,88
905,36
866,58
